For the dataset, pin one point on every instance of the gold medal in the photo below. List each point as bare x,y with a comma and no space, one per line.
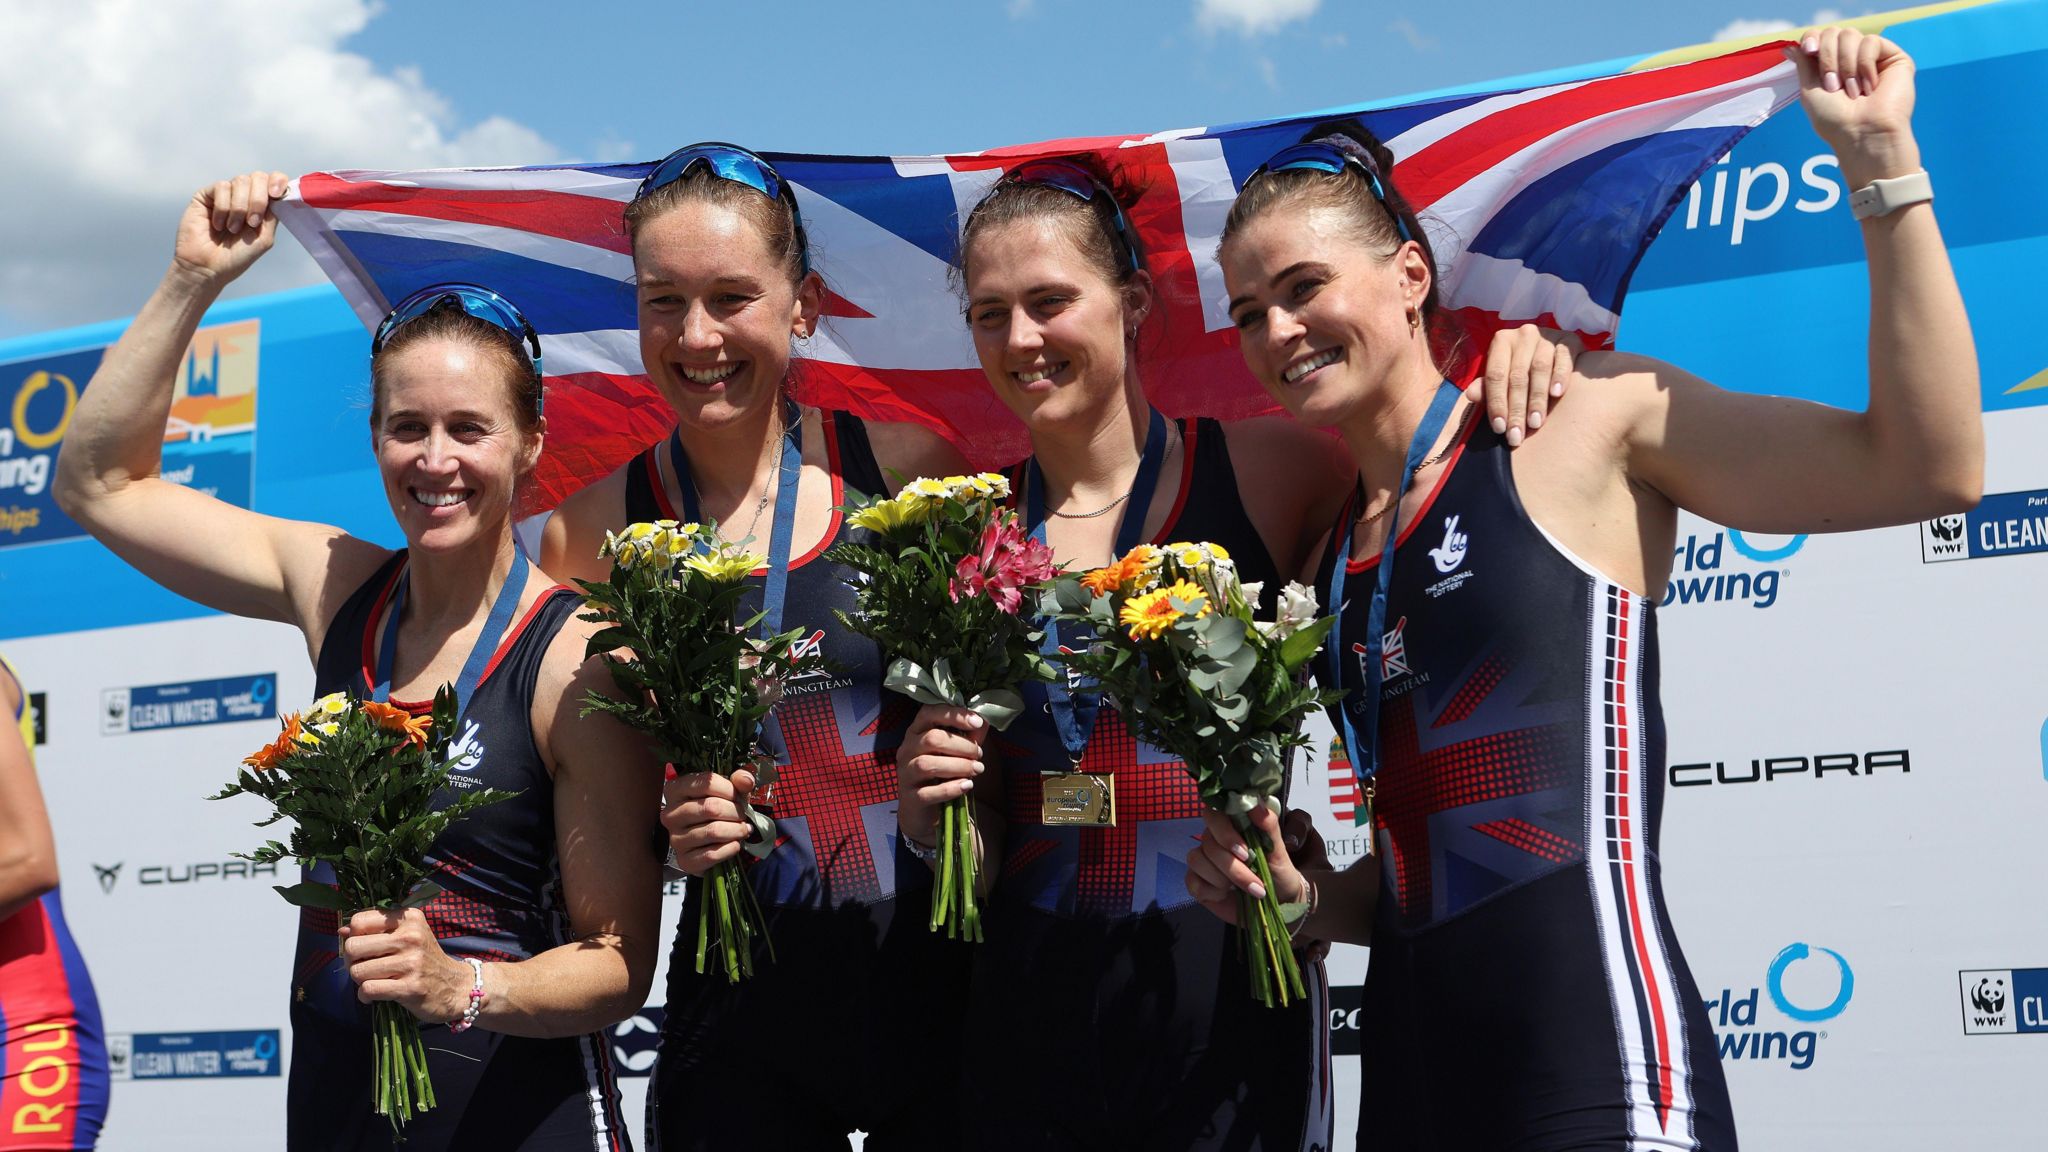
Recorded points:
1085,799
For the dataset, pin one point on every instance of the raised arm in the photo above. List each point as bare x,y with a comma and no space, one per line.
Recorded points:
109,475
28,853
1776,465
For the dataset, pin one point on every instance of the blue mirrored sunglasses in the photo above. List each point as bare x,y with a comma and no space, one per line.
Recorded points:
479,302
1077,181
734,163
1330,158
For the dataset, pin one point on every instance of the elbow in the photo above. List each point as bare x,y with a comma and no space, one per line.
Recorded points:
27,876
1954,486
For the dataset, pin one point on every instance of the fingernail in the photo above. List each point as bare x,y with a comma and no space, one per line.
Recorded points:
1257,890
1535,421
1854,86
1557,388
967,785
1239,851
974,720
1831,82
978,766
1515,436
255,221
1810,44
1500,425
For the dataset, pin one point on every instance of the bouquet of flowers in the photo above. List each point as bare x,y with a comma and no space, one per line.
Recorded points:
943,595
358,779
699,683
1177,651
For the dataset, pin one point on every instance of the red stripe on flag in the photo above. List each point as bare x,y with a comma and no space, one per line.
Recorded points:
590,220
1448,164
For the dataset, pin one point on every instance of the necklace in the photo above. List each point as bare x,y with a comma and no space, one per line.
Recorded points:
1446,450
1174,430
767,494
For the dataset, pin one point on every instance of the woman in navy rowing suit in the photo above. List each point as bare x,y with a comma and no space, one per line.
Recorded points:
545,930
724,284
1107,1009
1526,988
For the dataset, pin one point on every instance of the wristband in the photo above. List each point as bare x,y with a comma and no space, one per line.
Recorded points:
929,853
1882,197
476,998
1312,897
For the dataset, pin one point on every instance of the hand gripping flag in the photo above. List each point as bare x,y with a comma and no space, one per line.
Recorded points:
1539,203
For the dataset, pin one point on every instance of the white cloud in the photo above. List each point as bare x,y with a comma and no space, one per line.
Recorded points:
1406,29
113,111
1744,29
1252,17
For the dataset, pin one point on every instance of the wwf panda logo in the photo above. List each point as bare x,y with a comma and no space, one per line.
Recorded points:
1947,529
1989,996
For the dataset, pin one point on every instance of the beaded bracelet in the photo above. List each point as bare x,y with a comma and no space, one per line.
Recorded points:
1312,898
476,998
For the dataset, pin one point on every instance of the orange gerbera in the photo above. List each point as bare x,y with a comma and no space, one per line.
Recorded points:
392,718
1120,574
271,755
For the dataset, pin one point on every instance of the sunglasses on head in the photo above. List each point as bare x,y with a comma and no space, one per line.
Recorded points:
1320,157
477,301
1080,183
734,163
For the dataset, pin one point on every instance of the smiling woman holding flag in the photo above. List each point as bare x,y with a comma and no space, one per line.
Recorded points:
1526,989
545,929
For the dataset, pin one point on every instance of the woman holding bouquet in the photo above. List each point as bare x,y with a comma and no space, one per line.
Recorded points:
1526,988
545,930
1088,935
725,285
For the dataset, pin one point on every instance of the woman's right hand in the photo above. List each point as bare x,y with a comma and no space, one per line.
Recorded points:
1219,866
701,811
227,225
938,762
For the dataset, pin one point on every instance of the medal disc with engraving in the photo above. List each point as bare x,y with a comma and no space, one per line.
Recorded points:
1085,799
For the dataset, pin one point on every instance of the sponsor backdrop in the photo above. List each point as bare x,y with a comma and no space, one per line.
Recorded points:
1858,722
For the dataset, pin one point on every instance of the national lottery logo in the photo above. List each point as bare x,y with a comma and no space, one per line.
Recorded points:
466,756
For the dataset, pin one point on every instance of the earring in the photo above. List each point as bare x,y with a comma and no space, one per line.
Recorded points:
1414,320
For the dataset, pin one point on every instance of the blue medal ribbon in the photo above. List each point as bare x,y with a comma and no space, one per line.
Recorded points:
782,532
495,626
1075,719
1365,754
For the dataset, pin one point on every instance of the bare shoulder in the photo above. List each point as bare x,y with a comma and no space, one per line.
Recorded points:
1280,445
913,450
575,532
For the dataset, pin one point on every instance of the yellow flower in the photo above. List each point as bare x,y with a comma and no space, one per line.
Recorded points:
681,544
991,484
724,566
1195,556
886,516
1149,616
332,704
928,488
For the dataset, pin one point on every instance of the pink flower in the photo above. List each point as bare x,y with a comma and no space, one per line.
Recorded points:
1005,563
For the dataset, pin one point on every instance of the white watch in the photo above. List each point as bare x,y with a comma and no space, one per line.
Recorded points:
1880,197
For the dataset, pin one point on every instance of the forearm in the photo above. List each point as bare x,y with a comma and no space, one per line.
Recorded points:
1345,903
578,987
117,434
1925,408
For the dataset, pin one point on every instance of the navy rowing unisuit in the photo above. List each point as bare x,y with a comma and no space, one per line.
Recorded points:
1525,989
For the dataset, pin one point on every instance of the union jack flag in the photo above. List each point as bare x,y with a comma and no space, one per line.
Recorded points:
1539,202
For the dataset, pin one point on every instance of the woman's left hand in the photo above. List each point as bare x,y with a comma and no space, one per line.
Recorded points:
394,956
1526,372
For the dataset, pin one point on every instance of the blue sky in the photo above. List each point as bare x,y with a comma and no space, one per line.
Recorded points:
112,111
928,76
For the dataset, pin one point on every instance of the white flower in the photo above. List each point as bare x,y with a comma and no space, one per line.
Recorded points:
1298,610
